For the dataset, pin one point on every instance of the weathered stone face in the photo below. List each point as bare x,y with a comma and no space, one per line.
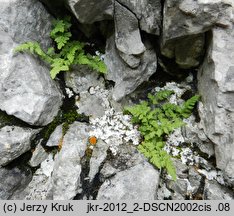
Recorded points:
127,32
26,89
184,24
140,182
12,180
148,13
67,164
215,84
14,141
128,79
92,10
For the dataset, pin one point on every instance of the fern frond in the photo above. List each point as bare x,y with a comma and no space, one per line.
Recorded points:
156,119
188,106
34,48
67,52
57,66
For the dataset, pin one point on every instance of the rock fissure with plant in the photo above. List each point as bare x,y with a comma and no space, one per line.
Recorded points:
127,116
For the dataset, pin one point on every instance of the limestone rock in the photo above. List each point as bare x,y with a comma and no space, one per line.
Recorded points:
14,141
82,79
188,17
148,13
184,24
98,156
26,89
128,79
137,183
55,137
94,102
127,33
67,167
214,191
40,186
12,180
215,84
90,11
39,155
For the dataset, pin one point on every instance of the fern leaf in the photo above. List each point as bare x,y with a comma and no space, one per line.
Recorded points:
57,66
62,40
188,106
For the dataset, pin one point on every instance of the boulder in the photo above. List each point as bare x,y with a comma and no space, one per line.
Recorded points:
99,154
90,11
67,163
128,79
140,182
127,33
14,141
148,13
184,24
189,17
215,85
26,89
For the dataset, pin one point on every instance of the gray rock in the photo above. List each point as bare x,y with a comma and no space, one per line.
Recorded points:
177,196
90,11
148,13
188,51
98,156
107,171
40,186
39,155
83,78
127,33
214,191
194,180
131,60
137,183
181,169
67,167
93,103
217,107
184,23
127,79
55,137
26,89
12,180
188,17
163,193
192,133
179,187
14,141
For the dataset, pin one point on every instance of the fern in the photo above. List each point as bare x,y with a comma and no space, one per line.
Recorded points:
156,119
67,52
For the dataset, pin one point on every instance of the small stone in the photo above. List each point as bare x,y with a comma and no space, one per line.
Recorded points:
98,156
39,155
55,137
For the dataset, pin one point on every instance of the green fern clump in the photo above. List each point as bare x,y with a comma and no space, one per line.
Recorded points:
156,119
67,52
